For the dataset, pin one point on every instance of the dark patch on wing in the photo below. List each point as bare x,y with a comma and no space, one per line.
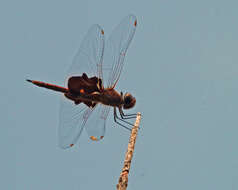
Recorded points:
89,85
83,84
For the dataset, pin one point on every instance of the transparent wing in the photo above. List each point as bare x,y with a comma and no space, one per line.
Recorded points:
90,54
96,123
116,48
87,60
72,121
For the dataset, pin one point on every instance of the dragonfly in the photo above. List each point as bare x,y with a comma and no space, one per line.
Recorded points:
89,92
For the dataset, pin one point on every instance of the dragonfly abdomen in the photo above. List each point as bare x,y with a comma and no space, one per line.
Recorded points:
48,86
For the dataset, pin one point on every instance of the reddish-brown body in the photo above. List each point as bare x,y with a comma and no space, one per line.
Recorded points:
111,97
107,96
90,91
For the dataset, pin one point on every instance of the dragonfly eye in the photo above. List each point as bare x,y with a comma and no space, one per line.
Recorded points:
129,101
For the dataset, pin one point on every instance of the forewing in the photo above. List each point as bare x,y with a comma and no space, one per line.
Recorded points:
87,60
90,54
96,123
116,48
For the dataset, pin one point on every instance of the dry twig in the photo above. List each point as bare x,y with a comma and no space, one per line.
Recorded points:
123,179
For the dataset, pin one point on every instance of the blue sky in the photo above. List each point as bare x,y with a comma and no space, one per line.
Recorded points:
181,66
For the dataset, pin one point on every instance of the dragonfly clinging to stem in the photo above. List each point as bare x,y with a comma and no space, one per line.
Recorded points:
90,92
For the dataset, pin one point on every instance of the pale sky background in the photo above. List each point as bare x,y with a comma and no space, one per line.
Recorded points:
182,66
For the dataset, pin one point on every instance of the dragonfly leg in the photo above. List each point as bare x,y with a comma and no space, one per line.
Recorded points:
117,118
126,116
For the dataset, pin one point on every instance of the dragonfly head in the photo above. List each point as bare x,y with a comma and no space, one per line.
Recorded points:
129,101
